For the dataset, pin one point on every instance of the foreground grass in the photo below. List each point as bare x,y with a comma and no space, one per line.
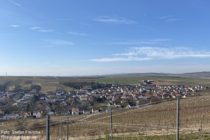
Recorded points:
194,136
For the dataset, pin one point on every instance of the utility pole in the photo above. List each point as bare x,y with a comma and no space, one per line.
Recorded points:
177,117
48,127
110,123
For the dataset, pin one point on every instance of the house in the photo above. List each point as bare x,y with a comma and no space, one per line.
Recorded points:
24,114
35,89
75,111
10,116
37,115
94,111
83,97
1,112
128,107
51,113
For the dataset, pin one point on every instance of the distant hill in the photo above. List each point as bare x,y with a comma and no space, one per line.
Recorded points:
138,74
197,74
194,74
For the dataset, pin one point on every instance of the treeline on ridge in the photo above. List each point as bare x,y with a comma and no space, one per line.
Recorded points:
87,85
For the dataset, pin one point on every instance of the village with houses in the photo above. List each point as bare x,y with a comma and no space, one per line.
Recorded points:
33,103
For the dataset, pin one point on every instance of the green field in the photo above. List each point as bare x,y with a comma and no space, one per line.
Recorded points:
53,83
162,80
47,83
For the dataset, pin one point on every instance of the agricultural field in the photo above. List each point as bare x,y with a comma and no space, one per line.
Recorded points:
53,83
47,83
161,80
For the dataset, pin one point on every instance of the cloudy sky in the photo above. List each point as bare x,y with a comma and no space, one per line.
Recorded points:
93,37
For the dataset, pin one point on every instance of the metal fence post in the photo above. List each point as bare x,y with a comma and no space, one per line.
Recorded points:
110,123
177,117
48,128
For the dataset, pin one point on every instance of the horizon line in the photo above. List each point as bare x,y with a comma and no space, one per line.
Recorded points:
99,75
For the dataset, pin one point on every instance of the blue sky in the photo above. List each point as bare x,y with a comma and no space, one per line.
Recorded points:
93,37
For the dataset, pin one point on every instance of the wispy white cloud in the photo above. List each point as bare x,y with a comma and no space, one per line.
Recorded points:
64,19
119,59
133,43
165,53
169,18
159,40
46,30
141,42
15,26
15,3
41,29
154,53
58,42
77,33
35,28
114,20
